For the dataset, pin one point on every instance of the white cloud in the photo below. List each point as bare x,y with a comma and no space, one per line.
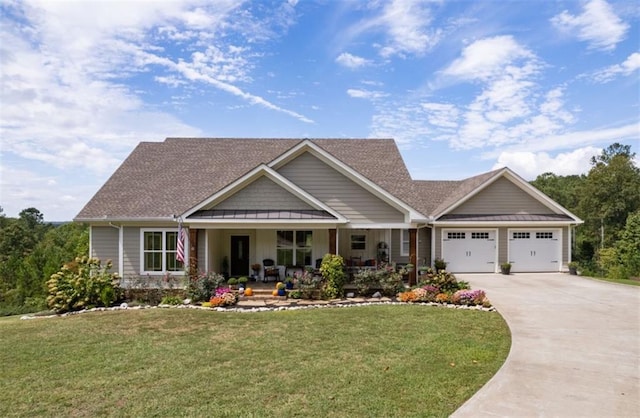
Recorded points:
352,61
628,67
531,164
366,94
597,24
486,58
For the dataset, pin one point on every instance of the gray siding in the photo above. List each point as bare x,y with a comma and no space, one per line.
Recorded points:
104,245
131,252
263,194
338,191
501,197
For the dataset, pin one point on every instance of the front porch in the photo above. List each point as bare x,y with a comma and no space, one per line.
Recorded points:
235,252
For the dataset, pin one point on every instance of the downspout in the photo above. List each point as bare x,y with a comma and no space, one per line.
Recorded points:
120,250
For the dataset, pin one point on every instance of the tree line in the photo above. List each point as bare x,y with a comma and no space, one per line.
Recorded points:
30,252
607,198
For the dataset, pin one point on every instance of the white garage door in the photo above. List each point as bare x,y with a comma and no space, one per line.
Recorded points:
468,251
535,250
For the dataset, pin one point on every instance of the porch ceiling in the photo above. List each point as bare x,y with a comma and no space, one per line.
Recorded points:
262,214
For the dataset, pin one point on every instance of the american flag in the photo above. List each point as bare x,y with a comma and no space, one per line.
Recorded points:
180,245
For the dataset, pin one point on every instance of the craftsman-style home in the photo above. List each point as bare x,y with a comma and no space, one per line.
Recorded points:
290,201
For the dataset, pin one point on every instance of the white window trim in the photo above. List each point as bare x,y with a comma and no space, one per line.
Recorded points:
351,241
164,250
404,233
294,246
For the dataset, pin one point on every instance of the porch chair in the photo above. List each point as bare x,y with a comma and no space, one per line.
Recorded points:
270,270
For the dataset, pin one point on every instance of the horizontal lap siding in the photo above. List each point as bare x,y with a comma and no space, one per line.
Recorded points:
338,191
263,194
131,251
501,197
104,244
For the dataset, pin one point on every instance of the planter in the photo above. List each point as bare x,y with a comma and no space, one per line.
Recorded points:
573,271
289,285
282,292
505,268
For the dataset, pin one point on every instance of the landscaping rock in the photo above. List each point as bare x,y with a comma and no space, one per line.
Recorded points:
377,295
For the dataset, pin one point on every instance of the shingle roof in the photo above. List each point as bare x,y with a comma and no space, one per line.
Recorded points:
506,218
160,179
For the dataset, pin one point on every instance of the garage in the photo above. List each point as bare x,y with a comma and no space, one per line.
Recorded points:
469,251
535,250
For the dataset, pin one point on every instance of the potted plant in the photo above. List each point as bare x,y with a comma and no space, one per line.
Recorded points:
573,268
242,282
280,287
505,268
288,282
409,267
232,282
439,264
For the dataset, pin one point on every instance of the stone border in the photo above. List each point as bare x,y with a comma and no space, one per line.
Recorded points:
280,306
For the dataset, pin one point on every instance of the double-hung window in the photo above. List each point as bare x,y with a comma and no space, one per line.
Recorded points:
294,248
159,249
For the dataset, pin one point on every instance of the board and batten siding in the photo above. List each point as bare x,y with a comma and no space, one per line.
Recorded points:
105,245
501,197
263,194
338,192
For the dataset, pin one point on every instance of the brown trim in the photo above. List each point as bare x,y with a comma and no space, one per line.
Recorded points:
193,252
413,235
333,247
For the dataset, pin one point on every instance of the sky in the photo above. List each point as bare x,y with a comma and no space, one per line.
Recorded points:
464,87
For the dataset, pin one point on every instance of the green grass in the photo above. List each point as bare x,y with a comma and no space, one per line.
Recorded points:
630,282
357,362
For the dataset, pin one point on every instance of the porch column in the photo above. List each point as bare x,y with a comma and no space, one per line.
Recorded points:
333,247
193,252
413,234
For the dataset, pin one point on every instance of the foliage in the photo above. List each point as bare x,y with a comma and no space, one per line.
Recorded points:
309,284
439,264
202,286
333,274
622,261
82,284
224,296
468,297
171,300
443,280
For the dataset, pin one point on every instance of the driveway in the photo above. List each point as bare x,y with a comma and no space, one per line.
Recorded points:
575,348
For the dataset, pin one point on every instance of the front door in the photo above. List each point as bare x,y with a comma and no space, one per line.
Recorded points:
239,255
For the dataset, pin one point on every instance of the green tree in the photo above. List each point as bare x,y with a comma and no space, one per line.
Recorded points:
566,190
628,247
610,193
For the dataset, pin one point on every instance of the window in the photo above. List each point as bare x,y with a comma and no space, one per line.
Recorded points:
544,235
159,251
358,242
404,245
521,235
456,235
294,248
479,235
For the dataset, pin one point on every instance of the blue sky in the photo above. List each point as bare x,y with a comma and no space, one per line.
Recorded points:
462,86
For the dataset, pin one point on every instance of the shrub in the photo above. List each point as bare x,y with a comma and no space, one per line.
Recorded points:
223,297
332,270
365,281
171,300
309,284
81,284
203,285
442,298
408,296
390,282
443,280
468,297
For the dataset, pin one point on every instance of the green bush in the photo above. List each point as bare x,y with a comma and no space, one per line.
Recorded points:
171,300
332,270
443,280
203,286
82,284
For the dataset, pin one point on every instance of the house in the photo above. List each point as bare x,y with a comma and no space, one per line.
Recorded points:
293,200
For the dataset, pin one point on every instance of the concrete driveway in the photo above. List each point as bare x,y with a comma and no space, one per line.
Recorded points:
575,348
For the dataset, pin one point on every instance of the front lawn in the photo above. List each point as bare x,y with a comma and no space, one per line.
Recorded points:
359,361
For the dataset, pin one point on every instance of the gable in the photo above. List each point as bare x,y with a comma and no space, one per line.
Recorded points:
338,191
263,193
501,197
